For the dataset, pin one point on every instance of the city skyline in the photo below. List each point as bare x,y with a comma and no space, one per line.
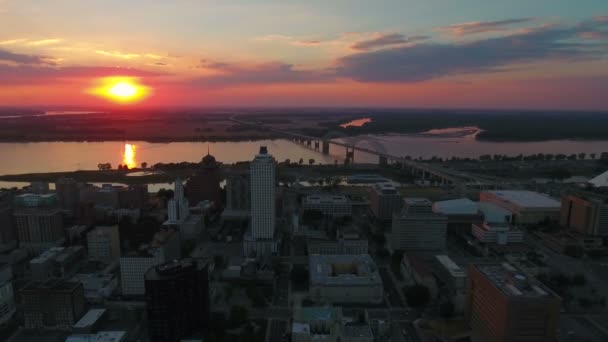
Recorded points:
269,53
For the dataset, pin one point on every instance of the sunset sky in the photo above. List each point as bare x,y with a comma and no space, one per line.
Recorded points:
396,53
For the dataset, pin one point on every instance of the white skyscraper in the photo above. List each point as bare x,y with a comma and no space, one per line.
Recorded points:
263,209
178,207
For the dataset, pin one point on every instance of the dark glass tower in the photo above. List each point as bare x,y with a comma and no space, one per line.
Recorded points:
177,298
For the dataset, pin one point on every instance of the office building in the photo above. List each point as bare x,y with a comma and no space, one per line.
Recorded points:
177,299
263,207
316,324
417,227
527,207
98,286
260,240
238,193
106,197
103,243
454,279
204,185
385,200
497,233
68,195
504,305
8,235
54,305
588,216
38,221
57,262
39,188
133,196
178,208
347,243
344,279
461,213
418,272
330,205
7,296
164,247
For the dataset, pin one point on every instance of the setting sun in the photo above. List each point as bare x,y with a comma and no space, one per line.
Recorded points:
120,89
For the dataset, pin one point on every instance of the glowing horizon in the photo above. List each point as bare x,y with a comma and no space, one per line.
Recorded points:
432,53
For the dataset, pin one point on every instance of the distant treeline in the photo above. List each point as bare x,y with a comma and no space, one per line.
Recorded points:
496,126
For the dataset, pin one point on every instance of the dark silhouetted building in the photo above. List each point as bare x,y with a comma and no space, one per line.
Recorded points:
385,200
205,183
55,304
68,195
8,236
504,305
39,222
177,299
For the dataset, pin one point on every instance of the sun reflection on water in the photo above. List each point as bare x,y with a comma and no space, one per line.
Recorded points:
128,157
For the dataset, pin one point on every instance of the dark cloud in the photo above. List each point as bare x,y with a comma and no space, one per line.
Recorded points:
427,60
7,56
268,73
385,40
463,29
30,74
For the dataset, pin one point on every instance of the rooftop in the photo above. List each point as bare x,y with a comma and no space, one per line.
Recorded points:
174,268
90,318
460,206
513,282
454,270
354,270
330,199
526,198
357,331
417,201
102,336
319,313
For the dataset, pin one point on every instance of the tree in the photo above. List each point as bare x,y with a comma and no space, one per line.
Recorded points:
301,161
417,295
446,309
592,155
144,165
287,162
311,161
581,156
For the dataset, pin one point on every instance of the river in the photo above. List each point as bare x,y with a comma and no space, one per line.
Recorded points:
18,158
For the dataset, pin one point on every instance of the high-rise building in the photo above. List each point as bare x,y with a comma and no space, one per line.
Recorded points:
38,221
385,200
103,243
177,299
8,236
204,185
263,207
497,233
586,215
55,304
164,247
178,207
238,193
504,305
7,296
417,227
133,196
68,195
